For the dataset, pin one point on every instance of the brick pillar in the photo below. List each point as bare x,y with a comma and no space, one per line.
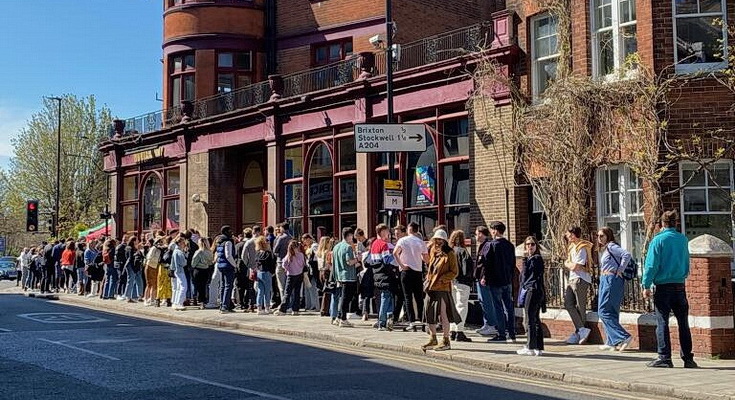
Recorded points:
709,290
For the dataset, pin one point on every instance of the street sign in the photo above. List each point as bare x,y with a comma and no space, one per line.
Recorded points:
2,245
393,194
380,138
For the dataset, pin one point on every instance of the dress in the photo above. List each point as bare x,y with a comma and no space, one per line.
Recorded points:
163,291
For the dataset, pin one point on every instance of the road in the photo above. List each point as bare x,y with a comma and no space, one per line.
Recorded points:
52,351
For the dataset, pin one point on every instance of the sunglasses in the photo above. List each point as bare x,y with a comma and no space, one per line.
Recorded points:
530,244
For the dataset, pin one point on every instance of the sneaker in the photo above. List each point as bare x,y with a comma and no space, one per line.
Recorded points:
624,344
335,322
484,327
262,312
538,353
497,339
453,335
345,324
461,337
279,313
294,313
660,363
91,295
389,325
607,347
376,324
512,340
525,352
573,339
381,329
179,308
690,364
584,333
488,331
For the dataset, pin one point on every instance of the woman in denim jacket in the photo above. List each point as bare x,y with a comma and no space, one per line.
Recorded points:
613,260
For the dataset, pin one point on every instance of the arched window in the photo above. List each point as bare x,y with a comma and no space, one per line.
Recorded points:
321,191
152,191
252,192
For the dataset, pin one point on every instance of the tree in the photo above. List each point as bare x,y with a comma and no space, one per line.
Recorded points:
32,171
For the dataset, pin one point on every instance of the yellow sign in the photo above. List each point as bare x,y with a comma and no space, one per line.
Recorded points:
148,155
390,184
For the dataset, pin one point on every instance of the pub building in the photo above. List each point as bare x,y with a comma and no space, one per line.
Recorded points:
245,141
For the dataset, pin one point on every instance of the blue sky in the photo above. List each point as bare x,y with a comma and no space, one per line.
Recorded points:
109,48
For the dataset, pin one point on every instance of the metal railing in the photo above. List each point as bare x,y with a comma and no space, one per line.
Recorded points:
557,277
422,52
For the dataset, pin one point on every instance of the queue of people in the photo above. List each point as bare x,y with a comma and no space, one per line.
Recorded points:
398,277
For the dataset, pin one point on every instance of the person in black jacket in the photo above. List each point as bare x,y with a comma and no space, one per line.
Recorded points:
48,268
461,285
532,297
120,259
499,271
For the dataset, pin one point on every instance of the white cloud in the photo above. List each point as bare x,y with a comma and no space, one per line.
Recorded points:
12,120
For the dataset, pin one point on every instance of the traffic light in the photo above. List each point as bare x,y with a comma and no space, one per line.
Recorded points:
32,216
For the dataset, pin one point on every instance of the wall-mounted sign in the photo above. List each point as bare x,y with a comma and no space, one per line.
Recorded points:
146,155
393,194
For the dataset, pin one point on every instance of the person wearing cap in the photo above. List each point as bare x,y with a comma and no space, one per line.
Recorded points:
443,269
226,264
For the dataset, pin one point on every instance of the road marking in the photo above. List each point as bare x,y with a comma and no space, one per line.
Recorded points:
62,318
106,341
235,388
81,349
5,330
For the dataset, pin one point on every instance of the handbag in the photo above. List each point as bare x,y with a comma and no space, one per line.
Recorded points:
522,297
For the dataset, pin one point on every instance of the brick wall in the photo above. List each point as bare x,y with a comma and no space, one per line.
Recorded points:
417,19
223,172
198,183
296,17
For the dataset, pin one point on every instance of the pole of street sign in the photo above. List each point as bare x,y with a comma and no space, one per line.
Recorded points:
389,87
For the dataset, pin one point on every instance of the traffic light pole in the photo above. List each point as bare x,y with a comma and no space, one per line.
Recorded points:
55,216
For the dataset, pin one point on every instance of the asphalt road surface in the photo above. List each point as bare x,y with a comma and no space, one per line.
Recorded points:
53,351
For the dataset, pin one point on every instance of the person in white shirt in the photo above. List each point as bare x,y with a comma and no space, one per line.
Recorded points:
580,280
411,253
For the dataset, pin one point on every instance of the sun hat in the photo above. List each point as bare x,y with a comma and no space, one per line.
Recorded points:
440,234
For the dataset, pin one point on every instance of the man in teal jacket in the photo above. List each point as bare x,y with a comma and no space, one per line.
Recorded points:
667,268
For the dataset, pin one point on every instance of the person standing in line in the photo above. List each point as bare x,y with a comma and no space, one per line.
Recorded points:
399,232
178,264
90,267
461,285
164,290
344,264
580,280
499,277
248,255
68,263
384,275
225,262
79,269
270,237
532,297
152,259
111,277
202,263
411,253
242,272
613,260
324,263
667,268
24,261
59,275
483,291
280,248
311,276
366,282
265,263
191,248
362,241
294,263
440,306
131,288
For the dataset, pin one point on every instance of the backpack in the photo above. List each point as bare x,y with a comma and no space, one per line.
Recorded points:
631,269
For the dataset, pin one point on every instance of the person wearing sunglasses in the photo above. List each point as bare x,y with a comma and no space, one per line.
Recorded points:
532,297
613,260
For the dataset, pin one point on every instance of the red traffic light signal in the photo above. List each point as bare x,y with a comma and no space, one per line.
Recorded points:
32,216
31,206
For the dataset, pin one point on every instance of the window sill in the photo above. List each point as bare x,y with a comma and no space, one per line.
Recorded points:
700,68
617,76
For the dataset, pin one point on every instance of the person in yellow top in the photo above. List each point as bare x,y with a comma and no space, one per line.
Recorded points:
579,264
440,306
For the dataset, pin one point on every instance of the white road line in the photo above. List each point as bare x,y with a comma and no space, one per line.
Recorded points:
5,330
235,388
81,349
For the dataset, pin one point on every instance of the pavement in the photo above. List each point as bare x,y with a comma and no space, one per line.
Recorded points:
583,365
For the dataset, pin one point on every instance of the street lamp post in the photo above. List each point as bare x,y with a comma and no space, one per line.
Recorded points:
392,173
58,168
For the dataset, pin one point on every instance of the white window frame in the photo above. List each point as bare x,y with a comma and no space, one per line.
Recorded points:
618,49
683,179
625,215
535,89
699,67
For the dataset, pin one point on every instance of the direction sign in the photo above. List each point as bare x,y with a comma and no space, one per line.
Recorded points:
380,138
393,194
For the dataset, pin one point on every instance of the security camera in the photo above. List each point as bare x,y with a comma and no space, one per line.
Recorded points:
376,41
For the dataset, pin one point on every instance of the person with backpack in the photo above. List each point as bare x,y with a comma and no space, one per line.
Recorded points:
613,260
384,276
226,264
265,264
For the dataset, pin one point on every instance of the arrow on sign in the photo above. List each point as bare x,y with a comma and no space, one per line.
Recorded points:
417,137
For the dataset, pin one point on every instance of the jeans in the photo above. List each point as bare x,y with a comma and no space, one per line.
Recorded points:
293,290
133,287
334,304
281,277
180,287
672,298
47,277
228,278
214,288
506,318
461,295
386,307
575,301
486,301
111,276
265,286
413,291
311,295
532,319
81,280
200,277
349,289
608,308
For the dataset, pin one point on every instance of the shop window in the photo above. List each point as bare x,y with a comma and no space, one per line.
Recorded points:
620,206
457,197
614,34
253,176
347,159
173,213
152,203
130,188
293,200
427,220
252,195
321,187
421,176
294,160
348,195
130,218
172,181
544,52
700,40
706,200
455,137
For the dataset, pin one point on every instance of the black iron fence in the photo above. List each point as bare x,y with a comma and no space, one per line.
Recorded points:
557,277
426,51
